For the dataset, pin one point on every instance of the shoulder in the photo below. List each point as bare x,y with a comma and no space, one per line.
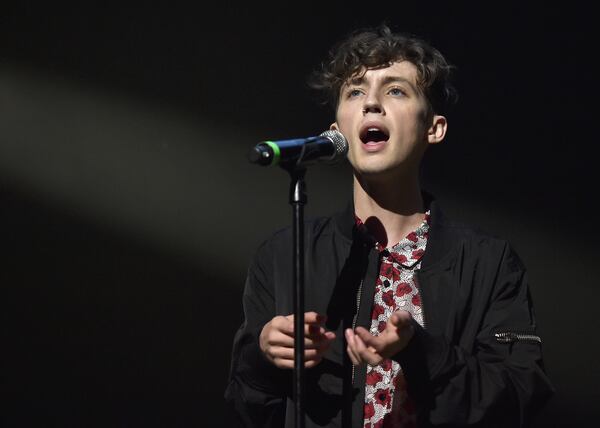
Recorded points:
488,242
472,242
281,240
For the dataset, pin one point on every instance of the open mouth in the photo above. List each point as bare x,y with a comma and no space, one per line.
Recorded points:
373,134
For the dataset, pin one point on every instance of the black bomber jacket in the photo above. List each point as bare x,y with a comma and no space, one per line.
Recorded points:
476,362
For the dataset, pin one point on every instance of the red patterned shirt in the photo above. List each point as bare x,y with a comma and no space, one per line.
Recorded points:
387,403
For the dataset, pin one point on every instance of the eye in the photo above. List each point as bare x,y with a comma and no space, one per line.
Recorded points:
396,92
353,93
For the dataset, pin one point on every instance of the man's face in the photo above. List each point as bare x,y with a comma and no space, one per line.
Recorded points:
384,116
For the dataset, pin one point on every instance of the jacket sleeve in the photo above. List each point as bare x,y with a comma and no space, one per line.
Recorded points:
256,388
493,382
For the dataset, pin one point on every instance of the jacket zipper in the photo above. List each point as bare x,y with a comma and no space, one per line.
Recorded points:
355,319
511,336
423,311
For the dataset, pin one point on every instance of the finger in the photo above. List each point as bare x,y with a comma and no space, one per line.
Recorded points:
368,339
290,363
279,354
287,349
315,330
400,327
279,358
310,318
312,363
289,354
366,354
359,344
350,348
288,325
284,325
321,343
320,334
400,319
279,339
314,318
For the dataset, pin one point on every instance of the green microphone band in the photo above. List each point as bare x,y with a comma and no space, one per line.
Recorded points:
276,152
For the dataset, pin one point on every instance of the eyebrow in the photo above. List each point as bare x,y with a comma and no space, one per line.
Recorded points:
359,80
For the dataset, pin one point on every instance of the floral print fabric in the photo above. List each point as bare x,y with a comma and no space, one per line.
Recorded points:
387,403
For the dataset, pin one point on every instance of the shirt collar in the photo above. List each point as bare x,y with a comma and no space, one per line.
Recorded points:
409,250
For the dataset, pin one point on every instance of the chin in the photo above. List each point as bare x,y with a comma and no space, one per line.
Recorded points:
373,172
379,170
373,165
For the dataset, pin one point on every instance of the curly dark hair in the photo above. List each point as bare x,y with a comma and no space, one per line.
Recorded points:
373,48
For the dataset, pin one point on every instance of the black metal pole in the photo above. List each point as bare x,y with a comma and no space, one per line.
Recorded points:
298,200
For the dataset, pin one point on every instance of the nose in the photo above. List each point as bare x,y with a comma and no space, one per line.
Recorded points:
372,105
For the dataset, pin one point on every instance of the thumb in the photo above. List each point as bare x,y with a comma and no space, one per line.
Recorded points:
400,319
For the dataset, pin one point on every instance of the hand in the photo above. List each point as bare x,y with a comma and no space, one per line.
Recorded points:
277,340
363,347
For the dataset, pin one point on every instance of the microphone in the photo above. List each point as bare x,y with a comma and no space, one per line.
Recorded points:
328,147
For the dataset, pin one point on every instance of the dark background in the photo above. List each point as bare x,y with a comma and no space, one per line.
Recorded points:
129,213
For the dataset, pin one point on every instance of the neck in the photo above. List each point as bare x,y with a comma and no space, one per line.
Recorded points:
389,208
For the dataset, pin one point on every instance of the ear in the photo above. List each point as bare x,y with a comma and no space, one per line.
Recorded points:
437,131
334,127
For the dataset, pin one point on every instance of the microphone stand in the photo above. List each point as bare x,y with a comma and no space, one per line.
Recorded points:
269,153
298,200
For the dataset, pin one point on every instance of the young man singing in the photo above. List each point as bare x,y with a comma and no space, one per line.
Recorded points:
412,320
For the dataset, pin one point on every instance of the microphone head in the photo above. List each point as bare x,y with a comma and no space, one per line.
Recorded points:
339,142
260,155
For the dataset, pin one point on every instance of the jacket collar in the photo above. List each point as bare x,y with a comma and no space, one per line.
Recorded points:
441,237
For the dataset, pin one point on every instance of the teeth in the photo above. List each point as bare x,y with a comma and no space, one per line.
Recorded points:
373,129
